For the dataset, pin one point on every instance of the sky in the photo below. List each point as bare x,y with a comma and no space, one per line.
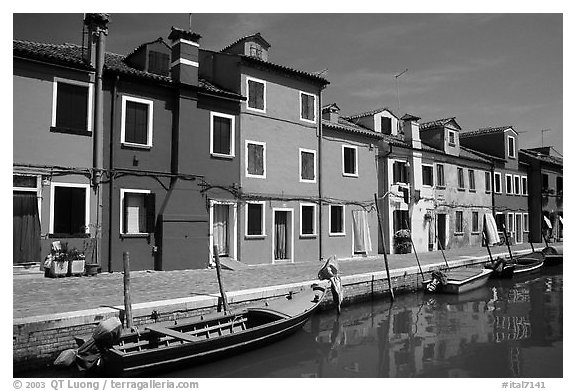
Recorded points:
483,69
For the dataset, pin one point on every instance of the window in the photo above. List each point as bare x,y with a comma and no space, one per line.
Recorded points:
471,180
307,219
451,138
525,223
498,183
475,222
71,106
136,128
559,185
349,160
307,107
511,146
255,159
509,188
440,175
255,219
26,182
336,218
500,221
69,209
400,172
400,220
510,225
427,175
307,165
517,189
221,134
459,222
158,63
386,125
256,94
460,178
137,214
487,182
256,51
544,181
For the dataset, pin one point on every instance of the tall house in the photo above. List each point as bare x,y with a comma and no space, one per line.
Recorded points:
276,217
349,178
546,188
510,177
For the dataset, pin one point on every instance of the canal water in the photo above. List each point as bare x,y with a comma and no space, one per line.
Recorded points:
507,329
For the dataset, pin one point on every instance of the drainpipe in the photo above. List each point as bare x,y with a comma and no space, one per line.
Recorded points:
492,170
320,231
111,165
384,159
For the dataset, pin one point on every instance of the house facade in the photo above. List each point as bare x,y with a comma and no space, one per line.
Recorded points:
510,176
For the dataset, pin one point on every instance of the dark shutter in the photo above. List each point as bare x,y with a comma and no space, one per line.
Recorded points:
336,219
150,206
307,220
349,161
254,219
386,125
136,127
307,166
255,95
69,210
404,173
158,63
255,159
221,135
71,106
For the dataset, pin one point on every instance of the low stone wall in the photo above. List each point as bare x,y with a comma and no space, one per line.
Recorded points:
38,340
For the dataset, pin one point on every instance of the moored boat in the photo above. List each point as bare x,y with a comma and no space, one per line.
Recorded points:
458,281
552,256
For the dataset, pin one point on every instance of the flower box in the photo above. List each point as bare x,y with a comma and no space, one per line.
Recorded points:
76,267
58,269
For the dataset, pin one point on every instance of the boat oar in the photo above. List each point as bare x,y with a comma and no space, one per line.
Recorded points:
384,246
531,245
507,243
220,284
442,250
415,253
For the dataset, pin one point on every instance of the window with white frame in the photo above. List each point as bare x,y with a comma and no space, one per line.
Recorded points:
400,172
71,106
475,222
459,222
69,209
427,175
500,221
255,219
137,212
509,184
256,90
307,107
221,134
336,217
307,165
487,182
525,223
517,189
471,180
349,160
137,117
524,185
441,182
451,138
461,184
307,220
255,159
510,225
497,183
511,146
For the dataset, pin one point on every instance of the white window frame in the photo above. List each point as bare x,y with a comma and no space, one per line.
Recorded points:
433,181
355,148
505,222
517,189
127,98
499,176
451,132
456,222
314,234
343,233
300,107
90,86
510,227
248,175
524,180
37,190
470,188
437,182
263,221
85,186
511,192
123,192
248,79
472,222
312,151
234,239
525,222
489,182
232,134
508,146
463,187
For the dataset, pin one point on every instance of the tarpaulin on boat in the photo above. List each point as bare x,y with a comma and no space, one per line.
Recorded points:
490,229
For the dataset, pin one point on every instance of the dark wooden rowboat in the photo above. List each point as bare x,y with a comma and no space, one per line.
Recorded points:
209,337
552,256
529,263
462,280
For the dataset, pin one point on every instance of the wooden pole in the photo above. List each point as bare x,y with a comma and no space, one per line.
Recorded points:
415,253
127,298
220,283
507,243
380,226
442,250
487,247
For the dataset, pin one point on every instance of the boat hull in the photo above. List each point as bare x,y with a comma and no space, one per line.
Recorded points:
460,282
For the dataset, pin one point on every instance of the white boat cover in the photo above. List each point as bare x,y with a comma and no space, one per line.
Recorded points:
490,229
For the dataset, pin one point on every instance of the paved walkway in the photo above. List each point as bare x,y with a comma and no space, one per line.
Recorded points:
33,294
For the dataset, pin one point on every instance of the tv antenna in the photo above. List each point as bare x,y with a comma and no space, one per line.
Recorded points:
398,88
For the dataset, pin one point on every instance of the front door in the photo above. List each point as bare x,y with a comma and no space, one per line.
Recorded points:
441,230
26,228
220,229
282,235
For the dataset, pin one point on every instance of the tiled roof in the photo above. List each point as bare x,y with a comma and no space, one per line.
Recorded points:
283,69
71,54
435,123
257,35
542,157
473,155
482,154
347,126
483,131
369,113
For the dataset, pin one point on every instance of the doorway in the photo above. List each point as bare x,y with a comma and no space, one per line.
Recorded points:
441,230
223,228
282,236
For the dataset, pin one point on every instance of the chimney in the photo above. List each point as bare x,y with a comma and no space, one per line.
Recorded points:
184,65
331,113
411,130
96,24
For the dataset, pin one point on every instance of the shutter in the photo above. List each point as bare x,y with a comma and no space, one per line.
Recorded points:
72,106
260,96
404,173
150,206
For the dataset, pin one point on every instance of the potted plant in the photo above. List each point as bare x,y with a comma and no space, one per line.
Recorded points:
64,261
402,244
76,261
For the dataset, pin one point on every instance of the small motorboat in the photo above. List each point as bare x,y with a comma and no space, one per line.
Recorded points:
458,281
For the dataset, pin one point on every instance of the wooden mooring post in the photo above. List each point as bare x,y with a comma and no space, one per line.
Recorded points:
381,228
127,297
220,283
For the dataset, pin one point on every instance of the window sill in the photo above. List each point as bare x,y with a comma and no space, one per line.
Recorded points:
221,156
350,175
256,176
472,190
458,233
135,146
488,191
78,132
307,180
254,237
337,234
135,235
256,110
461,189
440,187
68,236
475,233
451,144
310,121
308,236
